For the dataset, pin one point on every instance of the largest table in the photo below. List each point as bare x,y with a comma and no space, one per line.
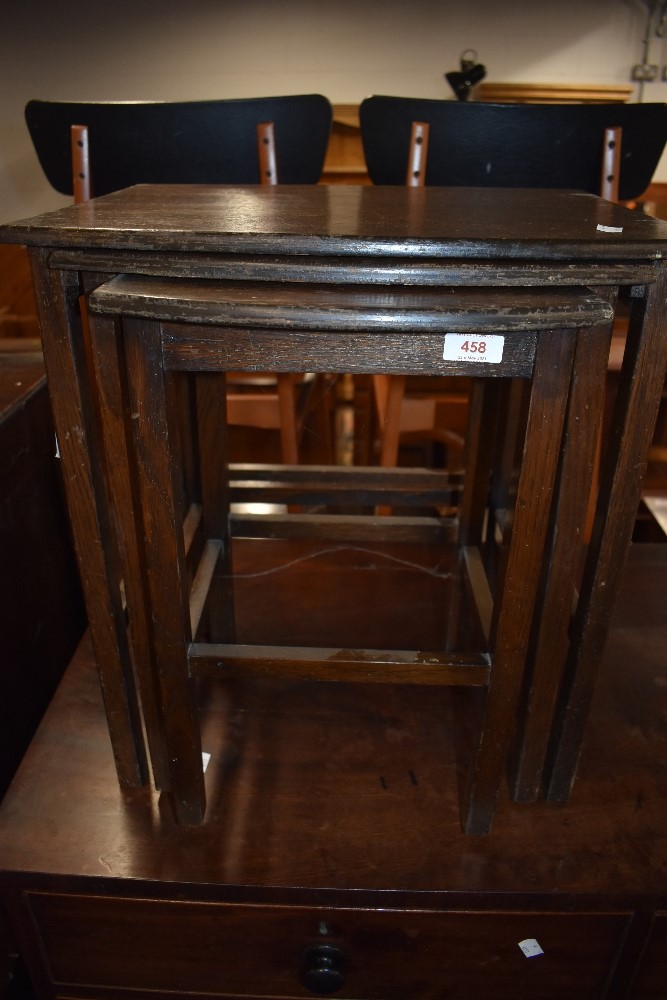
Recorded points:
349,236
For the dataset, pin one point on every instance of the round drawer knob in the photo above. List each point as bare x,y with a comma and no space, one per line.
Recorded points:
322,970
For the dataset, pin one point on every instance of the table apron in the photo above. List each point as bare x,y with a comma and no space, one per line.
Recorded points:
360,270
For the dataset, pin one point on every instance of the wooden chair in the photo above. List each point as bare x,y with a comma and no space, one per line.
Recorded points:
607,150
116,145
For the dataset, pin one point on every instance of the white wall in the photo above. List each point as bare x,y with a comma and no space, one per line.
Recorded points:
345,49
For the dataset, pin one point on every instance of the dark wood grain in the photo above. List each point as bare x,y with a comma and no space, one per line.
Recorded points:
242,350
154,427
383,270
214,948
624,464
567,541
273,869
215,495
322,307
514,607
319,751
42,617
430,222
331,329
115,415
394,666
74,404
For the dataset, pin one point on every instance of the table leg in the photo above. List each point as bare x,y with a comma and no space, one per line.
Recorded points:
518,586
152,396
214,478
624,464
75,416
107,350
564,562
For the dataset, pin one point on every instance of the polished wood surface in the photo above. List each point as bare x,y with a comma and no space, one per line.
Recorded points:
334,822
41,606
41,610
349,220
18,317
319,753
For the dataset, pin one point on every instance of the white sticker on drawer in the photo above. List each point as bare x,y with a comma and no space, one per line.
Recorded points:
530,947
205,760
468,347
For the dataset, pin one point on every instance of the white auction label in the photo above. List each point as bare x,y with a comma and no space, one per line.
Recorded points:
531,947
471,347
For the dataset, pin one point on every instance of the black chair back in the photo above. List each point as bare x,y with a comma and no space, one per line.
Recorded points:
513,145
187,142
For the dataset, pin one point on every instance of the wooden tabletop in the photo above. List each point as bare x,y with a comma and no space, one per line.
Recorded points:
351,220
353,789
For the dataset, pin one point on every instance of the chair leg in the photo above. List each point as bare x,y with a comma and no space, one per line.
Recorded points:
478,459
289,442
324,392
214,483
389,392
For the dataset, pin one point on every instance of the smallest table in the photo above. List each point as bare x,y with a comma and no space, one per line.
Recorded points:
148,333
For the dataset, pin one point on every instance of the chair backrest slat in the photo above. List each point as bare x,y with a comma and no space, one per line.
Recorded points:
415,175
611,163
266,153
81,183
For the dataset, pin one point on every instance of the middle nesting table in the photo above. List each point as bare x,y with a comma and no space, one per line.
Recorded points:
161,347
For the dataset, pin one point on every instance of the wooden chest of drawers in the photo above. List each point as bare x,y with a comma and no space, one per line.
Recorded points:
332,861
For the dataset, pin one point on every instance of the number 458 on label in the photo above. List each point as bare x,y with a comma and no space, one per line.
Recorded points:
468,347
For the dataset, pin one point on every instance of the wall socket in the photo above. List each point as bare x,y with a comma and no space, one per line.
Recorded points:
644,71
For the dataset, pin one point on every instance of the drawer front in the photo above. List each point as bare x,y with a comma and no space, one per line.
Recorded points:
232,950
651,981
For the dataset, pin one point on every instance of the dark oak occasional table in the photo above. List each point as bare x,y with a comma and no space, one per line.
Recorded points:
333,245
